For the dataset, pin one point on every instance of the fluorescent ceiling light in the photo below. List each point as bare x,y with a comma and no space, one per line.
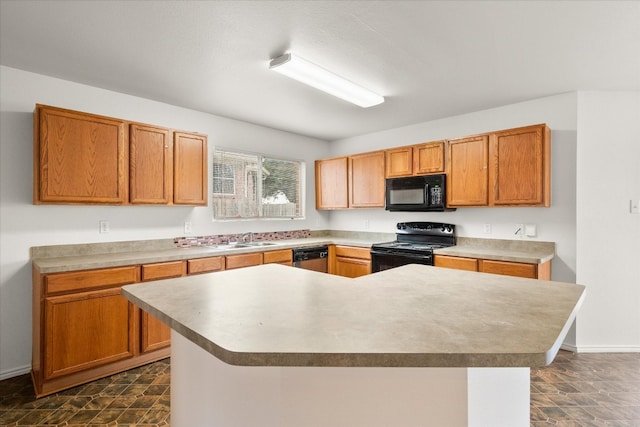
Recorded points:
319,78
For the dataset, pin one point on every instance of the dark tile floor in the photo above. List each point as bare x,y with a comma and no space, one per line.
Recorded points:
580,389
575,390
139,397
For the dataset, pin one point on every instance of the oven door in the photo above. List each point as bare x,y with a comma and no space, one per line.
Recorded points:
384,260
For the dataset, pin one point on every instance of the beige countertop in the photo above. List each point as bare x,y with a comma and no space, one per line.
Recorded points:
531,252
414,315
55,259
140,255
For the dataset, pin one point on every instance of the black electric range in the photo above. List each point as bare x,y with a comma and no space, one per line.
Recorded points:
414,244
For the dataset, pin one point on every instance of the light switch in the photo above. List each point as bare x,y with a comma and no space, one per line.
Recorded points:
187,227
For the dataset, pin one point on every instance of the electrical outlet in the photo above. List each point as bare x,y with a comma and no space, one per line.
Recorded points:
187,227
487,229
530,230
366,224
104,227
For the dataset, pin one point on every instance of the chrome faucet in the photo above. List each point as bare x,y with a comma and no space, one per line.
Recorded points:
245,235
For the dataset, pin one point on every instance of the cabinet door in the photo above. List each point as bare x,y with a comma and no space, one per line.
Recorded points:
467,180
243,260
399,162
283,256
79,158
150,165
331,183
366,180
154,334
520,167
205,265
428,158
85,330
190,169
458,263
352,267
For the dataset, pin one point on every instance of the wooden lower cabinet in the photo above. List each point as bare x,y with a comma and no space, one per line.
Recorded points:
83,328
349,261
507,268
205,265
458,263
282,256
154,334
243,260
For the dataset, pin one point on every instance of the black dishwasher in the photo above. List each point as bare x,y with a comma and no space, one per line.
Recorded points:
311,258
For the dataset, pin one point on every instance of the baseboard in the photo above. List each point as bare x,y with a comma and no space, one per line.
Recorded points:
15,372
607,349
569,347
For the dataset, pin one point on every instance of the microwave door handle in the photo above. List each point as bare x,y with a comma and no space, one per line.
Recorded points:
427,194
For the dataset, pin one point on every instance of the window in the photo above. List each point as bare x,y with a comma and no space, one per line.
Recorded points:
255,186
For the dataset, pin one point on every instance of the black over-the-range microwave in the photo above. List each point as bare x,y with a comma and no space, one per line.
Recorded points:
425,193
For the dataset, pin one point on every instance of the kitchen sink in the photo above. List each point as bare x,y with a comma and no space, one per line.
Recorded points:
258,244
226,247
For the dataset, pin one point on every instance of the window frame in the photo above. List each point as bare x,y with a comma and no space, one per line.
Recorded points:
259,179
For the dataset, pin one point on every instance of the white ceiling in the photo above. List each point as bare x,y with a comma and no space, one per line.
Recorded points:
430,59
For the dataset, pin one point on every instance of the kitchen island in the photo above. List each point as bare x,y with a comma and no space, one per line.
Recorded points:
416,345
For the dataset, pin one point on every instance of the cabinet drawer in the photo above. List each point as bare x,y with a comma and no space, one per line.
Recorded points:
243,260
90,279
163,270
283,256
509,268
205,265
353,252
458,263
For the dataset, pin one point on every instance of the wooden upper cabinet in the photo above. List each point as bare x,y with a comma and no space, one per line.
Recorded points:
399,162
82,158
421,159
151,165
79,158
332,183
520,167
190,169
366,180
467,163
428,158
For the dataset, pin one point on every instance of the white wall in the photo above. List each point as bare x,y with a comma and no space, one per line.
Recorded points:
24,225
608,235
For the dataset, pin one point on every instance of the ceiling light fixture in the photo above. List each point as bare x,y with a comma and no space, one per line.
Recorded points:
315,76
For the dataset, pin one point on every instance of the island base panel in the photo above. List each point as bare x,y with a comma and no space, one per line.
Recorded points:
208,392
